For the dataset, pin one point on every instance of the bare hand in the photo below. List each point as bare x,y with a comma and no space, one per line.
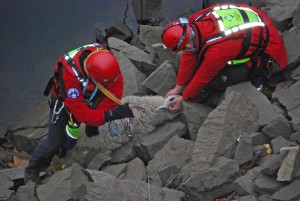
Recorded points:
175,105
175,91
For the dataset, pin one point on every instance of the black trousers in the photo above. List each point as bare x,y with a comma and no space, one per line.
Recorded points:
43,154
228,76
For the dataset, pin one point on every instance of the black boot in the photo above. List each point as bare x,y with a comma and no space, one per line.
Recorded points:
31,175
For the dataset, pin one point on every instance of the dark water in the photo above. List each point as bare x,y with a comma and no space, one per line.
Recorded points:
34,33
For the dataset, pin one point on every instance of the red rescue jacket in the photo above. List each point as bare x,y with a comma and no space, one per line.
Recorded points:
68,89
196,70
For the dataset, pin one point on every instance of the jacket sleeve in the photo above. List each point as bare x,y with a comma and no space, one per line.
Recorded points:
187,68
215,59
80,110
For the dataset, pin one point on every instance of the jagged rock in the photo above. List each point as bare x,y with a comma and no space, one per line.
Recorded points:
217,136
132,77
13,173
151,144
292,41
116,170
271,163
289,97
149,35
266,185
243,151
296,16
290,192
194,115
212,182
281,12
243,185
266,112
123,154
164,72
63,185
295,137
106,187
98,161
170,159
138,57
148,11
279,142
248,198
296,74
27,192
289,165
27,132
120,31
158,55
136,170
259,138
278,127
6,195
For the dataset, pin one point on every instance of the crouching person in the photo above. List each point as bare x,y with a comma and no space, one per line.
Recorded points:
221,46
75,99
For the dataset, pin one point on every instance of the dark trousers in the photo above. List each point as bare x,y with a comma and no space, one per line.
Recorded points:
230,75
43,154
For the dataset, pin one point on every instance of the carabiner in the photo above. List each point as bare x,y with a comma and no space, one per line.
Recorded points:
55,113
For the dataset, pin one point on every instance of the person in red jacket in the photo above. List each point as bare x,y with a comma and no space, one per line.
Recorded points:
222,45
75,99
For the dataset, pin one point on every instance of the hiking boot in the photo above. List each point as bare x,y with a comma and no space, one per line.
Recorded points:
31,175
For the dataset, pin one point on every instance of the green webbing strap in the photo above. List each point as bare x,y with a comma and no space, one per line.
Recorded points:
240,61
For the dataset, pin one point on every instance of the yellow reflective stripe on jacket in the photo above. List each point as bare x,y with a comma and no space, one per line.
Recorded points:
230,19
72,53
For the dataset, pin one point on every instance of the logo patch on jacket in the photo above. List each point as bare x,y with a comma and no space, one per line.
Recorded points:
73,93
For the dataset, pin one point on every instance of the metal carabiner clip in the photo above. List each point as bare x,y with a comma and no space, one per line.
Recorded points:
55,113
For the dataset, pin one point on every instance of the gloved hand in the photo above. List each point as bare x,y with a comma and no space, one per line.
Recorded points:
120,112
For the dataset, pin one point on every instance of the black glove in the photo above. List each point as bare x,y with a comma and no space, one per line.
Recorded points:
120,112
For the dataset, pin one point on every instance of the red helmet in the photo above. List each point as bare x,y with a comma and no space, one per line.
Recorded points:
102,66
176,34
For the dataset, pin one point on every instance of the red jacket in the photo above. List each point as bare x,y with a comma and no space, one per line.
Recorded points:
195,77
76,105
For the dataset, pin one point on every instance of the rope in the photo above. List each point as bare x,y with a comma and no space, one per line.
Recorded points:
109,94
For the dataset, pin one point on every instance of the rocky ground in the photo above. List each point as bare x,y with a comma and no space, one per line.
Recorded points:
244,149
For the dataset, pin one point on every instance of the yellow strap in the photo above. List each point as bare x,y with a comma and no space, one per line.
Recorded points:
109,94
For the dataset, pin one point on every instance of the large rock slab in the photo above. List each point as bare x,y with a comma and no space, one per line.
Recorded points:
219,132
107,188
267,113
